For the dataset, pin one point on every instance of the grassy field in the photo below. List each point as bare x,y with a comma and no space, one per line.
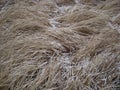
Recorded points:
59,44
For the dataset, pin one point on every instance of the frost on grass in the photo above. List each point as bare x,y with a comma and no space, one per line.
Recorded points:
59,45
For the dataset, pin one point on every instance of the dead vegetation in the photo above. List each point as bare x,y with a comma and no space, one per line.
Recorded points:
60,45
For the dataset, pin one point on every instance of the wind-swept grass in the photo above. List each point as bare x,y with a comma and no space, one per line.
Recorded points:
80,50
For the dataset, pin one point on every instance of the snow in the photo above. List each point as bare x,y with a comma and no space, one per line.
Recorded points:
77,1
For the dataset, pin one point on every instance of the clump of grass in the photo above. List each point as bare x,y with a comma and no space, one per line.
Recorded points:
64,2
82,53
116,19
78,16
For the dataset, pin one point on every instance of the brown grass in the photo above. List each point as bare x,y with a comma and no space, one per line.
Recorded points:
79,50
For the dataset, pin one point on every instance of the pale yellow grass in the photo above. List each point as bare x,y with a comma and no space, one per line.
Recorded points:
81,51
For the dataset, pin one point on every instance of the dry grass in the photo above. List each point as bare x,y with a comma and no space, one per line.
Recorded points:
116,19
77,16
44,47
64,2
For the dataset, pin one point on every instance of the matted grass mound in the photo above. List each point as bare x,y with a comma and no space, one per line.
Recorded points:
62,45
78,16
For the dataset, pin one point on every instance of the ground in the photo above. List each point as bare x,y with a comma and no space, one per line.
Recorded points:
59,44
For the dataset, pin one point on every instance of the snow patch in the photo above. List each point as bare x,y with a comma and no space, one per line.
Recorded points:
77,1
53,23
